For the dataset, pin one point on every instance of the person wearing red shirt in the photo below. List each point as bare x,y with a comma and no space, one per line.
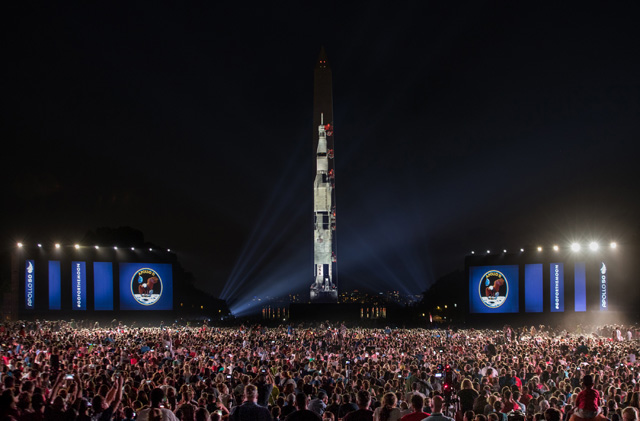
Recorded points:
588,401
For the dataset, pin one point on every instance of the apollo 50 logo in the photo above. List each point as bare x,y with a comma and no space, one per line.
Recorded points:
29,284
493,289
146,286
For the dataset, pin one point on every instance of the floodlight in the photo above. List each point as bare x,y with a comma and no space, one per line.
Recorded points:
555,247
150,249
168,250
57,245
97,247
539,248
39,245
115,247
473,252
488,251
132,248
613,245
77,246
20,245
593,246
522,250
575,247
504,251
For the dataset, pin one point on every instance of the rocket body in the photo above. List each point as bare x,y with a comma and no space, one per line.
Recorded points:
324,286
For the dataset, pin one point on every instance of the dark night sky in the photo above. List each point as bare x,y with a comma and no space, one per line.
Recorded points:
459,126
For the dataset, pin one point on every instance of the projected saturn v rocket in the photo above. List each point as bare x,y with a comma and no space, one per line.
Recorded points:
324,287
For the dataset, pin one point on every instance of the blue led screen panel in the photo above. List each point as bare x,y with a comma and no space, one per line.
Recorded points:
603,285
580,282
103,285
533,297
78,285
29,284
556,278
55,290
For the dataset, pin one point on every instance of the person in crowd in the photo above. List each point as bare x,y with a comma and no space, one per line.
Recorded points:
347,406
250,410
334,405
467,396
265,384
497,409
437,414
319,403
387,411
302,413
588,400
104,407
276,413
552,414
630,413
417,405
363,413
157,400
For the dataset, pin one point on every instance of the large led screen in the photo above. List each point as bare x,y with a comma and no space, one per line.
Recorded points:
29,285
604,301
580,278
55,290
533,288
146,286
556,277
79,285
493,289
103,285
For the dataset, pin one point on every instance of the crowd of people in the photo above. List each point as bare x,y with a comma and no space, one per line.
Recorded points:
65,371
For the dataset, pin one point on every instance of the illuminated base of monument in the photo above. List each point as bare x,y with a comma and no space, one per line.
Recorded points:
318,296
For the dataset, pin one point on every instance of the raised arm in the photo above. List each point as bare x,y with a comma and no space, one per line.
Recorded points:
55,388
118,393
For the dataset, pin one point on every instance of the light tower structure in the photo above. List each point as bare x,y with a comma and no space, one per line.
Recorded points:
324,287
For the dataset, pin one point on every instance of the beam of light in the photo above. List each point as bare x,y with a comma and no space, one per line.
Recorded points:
613,245
77,246
57,245
575,247
555,247
277,279
593,246
376,268
20,245
539,248
271,250
385,250
279,202
266,229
